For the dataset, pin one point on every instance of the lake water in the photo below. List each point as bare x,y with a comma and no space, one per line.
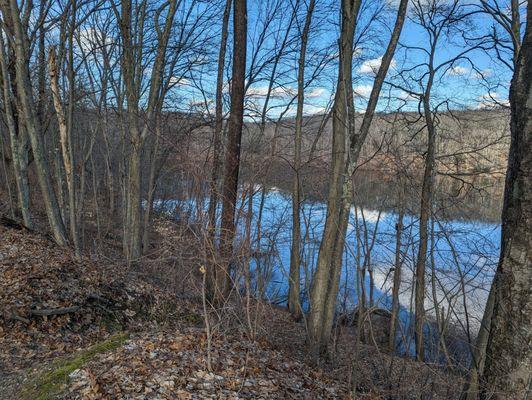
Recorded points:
464,251
465,254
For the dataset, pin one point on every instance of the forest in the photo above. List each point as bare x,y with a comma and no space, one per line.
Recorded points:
265,199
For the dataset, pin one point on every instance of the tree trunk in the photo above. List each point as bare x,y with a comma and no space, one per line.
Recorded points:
131,51
509,354
217,149
232,152
294,300
134,196
321,282
329,264
396,276
472,389
424,215
65,137
152,187
17,140
27,113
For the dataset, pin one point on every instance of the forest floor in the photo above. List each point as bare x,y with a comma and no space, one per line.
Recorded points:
96,328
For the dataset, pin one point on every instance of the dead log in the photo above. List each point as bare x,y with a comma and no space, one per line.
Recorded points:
16,317
54,311
11,223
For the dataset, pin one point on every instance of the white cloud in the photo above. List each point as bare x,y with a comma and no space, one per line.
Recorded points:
457,70
363,90
281,92
314,110
90,39
316,92
257,91
277,92
486,73
491,100
372,66
406,96
179,81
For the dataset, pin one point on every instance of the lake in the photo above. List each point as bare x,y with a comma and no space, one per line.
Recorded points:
465,254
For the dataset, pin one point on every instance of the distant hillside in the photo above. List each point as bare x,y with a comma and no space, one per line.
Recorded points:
472,149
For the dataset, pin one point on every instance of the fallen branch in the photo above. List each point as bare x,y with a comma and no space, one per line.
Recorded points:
54,311
11,223
19,318
98,298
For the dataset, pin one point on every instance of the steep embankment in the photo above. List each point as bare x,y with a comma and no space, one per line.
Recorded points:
80,330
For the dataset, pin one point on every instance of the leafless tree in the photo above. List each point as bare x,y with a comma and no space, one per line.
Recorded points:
326,279
294,299
232,152
507,373
16,30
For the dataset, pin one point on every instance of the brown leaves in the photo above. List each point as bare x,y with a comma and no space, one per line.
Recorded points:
35,274
52,304
173,365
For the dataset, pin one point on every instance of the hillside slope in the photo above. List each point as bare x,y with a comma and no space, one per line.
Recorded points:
77,329
59,320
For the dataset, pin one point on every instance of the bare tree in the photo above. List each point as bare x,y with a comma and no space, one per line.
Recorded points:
437,18
132,56
16,32
511,24
65,135
397,270
294,298
217,144
17,138
326,279
507,366
234,138
343,118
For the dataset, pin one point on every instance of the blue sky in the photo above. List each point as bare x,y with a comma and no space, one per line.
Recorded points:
473,82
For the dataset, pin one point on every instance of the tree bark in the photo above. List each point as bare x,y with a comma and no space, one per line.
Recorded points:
509,354
27,113
217,149
472,387
232,152
294,300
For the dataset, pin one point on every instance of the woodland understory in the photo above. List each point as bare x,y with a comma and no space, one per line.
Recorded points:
265,199
97,328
